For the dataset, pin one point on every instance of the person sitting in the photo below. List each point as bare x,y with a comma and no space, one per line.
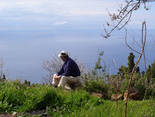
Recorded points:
69,72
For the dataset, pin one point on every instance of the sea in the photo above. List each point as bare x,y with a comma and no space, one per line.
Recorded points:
23,52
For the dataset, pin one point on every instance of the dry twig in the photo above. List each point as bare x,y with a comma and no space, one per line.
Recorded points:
141,53
124,15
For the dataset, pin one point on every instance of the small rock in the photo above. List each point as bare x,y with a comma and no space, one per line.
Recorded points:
14,114
97,95
116,97
132,94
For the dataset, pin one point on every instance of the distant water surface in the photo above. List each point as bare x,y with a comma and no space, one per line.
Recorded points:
23,52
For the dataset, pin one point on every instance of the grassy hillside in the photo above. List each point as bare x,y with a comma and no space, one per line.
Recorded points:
24,99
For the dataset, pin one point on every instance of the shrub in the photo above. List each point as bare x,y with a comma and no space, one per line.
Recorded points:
97,86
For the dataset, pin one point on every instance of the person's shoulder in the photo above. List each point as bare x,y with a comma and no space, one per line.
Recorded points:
70,60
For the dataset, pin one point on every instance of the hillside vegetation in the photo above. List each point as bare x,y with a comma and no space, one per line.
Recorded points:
25,99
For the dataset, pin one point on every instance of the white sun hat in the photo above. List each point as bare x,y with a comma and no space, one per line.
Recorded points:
62,53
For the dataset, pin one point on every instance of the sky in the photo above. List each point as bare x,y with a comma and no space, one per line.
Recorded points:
32,31
46,14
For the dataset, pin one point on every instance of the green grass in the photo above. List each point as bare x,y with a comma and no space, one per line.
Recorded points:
14,96
111,109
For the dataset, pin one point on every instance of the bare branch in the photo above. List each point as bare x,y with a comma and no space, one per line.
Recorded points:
124,15
135,67
129,45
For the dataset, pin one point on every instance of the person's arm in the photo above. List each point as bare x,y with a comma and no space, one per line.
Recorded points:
61,71
67,71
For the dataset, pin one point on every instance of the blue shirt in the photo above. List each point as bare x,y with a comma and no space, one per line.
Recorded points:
69,68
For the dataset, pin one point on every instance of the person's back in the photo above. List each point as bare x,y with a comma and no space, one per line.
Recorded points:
75,71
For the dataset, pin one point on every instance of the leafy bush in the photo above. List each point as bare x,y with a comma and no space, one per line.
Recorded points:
97,86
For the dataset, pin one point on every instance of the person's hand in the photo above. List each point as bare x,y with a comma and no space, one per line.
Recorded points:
56,77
